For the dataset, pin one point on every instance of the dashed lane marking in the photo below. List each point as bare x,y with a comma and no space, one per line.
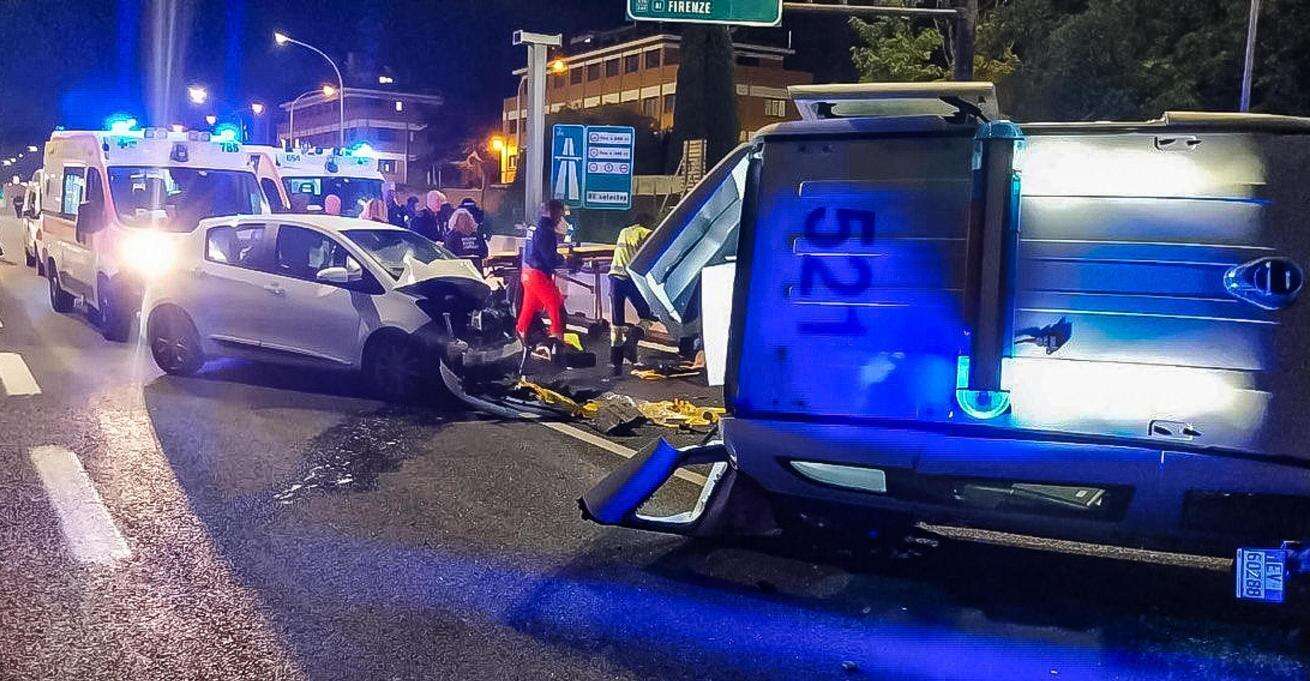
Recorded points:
15,377
91,534
615,448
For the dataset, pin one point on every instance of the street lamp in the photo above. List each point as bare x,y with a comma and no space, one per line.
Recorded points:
386,80
31,147
257,108
211,119
197,94
327,91
283,39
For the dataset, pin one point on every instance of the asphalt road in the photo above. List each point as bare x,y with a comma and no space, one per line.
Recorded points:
265,523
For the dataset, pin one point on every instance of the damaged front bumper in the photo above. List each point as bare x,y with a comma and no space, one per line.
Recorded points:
729,502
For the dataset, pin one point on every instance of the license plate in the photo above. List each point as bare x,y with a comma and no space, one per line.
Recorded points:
1262,575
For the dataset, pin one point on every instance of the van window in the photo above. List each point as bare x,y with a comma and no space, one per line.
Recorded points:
354,192
177,199
236,245
74,190
94,219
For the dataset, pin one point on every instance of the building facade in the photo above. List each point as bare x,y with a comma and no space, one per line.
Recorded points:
642,74
397,125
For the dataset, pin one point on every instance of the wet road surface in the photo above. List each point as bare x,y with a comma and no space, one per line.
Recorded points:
276,524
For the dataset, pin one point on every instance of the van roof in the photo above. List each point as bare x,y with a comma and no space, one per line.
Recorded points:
158,149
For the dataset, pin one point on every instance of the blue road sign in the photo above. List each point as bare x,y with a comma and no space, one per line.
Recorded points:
566,170
607,183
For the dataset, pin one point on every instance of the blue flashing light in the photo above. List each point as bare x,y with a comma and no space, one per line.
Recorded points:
120,123
226,132
362,150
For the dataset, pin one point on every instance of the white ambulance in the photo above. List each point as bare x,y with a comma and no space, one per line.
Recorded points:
308,177
115,203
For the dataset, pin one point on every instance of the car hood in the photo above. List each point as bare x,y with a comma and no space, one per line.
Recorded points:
440,276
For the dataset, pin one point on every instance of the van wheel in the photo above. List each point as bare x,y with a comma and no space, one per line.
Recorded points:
60,300
396,369
115,320
175,343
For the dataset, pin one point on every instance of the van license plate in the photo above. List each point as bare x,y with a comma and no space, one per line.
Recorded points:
1261,575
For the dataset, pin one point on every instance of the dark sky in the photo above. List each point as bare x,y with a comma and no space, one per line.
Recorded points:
74,62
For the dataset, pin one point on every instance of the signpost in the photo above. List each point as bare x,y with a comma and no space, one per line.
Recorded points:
735,12
592,166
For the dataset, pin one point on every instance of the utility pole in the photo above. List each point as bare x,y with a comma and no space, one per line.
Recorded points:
1248,68
534,139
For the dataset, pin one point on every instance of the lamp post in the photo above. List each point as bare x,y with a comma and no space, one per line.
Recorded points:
1248,65
283,39
326,91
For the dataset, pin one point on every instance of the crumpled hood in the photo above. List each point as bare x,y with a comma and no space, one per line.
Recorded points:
440,276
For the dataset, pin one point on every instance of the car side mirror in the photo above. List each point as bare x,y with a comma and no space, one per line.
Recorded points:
339,275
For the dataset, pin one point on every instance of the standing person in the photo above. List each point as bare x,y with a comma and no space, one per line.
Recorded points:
463,238
426,221
411,209
443,217
332,205
624,338
376,210
540,260
395,211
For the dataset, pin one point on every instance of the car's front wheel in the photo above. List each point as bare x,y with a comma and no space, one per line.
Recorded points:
60,300
175,343
397,369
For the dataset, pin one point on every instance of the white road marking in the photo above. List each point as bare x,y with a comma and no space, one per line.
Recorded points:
15,377
615,448
91,534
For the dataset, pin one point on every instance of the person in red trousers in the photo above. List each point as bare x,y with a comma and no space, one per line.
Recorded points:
541,258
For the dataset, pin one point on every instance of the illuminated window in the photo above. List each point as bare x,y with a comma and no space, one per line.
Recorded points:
400,106
776,108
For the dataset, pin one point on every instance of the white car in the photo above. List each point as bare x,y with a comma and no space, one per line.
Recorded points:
326,291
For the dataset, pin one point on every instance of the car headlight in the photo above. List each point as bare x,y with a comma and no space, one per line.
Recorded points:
147,253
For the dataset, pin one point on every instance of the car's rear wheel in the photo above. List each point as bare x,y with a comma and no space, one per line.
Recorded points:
175,343
397,369
114,317
60,300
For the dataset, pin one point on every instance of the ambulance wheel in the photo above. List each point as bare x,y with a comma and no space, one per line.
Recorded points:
60,300
114,319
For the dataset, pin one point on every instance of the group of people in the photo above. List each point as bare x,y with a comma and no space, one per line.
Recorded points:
541,260
462,228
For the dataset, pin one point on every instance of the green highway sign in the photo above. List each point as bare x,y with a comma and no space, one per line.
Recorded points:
736,12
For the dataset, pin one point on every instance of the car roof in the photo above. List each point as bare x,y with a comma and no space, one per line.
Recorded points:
328,223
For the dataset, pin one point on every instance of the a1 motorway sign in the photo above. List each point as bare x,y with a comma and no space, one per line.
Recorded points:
736,12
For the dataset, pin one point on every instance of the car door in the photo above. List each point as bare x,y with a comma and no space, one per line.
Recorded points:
227,292
311,318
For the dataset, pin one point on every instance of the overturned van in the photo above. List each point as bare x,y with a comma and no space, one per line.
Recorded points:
1087,331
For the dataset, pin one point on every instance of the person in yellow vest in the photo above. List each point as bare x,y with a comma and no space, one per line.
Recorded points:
624,338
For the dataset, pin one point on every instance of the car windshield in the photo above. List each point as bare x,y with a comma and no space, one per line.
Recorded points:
308,193
177,199
392,247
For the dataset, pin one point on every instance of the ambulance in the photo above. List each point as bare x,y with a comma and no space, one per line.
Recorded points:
114,204
306,177
32,198
1090,331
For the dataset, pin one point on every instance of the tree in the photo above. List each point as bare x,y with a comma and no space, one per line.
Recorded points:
896,49
707,95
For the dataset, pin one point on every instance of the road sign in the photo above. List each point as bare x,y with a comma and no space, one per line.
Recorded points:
607,183
736,12
566,170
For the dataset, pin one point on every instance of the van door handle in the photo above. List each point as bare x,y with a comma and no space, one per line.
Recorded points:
1176,430
1269,283
275,290
1185,143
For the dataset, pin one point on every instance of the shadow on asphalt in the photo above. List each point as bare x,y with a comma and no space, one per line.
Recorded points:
785,609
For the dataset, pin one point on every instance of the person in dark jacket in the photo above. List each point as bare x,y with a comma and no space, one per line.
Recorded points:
541,258
428,221
463,238
395,211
